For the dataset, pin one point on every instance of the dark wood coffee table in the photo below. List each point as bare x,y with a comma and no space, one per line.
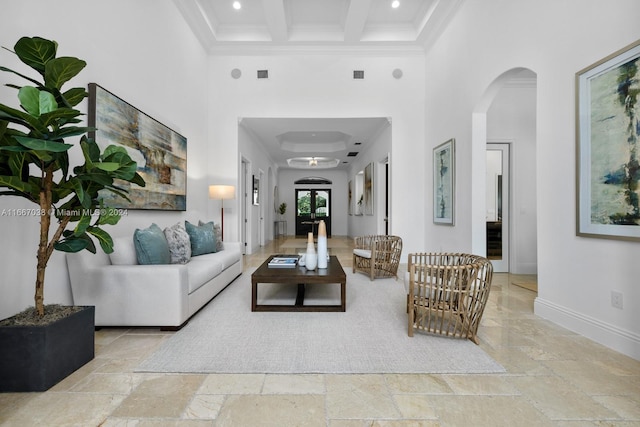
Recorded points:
299,276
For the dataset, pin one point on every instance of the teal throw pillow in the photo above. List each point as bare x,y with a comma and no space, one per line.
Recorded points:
203,238
151,246
218,233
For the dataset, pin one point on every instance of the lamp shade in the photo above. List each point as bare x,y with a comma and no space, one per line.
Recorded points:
222,192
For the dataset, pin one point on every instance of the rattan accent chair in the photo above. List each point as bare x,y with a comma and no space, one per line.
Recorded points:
377,256
447,293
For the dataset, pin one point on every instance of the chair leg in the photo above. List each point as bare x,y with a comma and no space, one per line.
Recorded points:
411,313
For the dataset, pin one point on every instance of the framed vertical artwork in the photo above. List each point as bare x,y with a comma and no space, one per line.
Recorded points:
161,153
608,147
368,189
359,193
256,190
444,183
350,198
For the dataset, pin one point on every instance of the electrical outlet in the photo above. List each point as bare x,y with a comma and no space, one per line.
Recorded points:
616,299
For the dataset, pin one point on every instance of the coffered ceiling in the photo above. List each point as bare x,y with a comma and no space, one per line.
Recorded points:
307,26
313,24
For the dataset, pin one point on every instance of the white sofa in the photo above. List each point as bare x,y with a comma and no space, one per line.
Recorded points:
166,296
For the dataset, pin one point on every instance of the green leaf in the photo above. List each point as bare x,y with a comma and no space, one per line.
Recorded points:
16,183
29,98
59,116
36,102
106,242
113,149
108,216
47,102
42,145
90,150
16,163
14,148
58,71
98,177
83,224
8,70
70,131
20,117
108,166
36,52
139,180
75,96
72,245
83,198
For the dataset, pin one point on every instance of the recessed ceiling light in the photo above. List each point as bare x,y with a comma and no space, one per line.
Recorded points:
395,4
237,5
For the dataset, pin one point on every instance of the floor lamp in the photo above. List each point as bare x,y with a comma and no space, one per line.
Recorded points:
222,192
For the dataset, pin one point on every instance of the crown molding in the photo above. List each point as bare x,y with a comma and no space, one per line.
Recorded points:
362,49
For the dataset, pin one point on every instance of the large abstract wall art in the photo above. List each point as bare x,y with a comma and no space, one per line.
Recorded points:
160,152
608,147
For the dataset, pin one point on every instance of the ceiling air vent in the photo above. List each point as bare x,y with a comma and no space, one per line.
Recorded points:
352,154
358,74
263,74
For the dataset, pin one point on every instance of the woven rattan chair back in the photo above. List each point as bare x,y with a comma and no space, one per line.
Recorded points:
377,255
448,293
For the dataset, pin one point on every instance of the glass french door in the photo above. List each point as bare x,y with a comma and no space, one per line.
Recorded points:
311,207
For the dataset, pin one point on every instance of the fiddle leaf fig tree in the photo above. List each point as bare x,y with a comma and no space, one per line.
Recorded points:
34,158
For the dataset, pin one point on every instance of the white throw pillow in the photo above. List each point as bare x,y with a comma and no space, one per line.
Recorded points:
124,252
179,244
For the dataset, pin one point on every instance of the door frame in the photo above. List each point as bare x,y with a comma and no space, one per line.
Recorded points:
503,265
312,190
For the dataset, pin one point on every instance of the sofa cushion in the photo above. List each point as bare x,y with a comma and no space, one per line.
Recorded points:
124,252
151,246
202,269
203,239
179,243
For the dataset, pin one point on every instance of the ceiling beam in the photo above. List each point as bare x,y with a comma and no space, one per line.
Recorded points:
436,20
356,19
276,19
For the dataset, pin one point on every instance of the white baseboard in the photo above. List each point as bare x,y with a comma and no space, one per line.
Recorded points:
621,340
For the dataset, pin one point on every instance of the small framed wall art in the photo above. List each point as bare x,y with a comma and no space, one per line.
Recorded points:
444,183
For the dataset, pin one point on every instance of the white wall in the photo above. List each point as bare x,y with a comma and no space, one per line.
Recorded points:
254,153
486,39
160,69
361,225
321,85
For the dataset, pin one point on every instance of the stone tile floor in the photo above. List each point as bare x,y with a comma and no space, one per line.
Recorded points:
554,378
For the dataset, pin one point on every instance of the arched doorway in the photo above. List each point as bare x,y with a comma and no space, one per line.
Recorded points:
505,116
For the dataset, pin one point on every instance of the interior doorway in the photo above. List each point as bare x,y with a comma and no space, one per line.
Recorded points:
497,205
312,205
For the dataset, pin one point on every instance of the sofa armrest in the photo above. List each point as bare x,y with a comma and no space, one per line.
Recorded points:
154,295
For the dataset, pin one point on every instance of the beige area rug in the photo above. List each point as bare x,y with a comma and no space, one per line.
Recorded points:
370,337
302,243
529,282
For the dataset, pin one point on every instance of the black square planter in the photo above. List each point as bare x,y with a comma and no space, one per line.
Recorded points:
35,358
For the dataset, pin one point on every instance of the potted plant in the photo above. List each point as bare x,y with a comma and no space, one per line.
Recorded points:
282,209
35,165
